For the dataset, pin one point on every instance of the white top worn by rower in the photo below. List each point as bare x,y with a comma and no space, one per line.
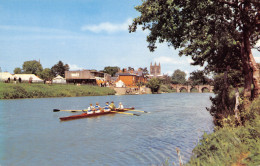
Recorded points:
90,109
98,108
121,106
106,108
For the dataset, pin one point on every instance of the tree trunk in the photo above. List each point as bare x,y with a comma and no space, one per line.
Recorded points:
250,67
236,106
251,70
248,76
256,76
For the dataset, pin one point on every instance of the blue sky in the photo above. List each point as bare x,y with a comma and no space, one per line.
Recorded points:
86,34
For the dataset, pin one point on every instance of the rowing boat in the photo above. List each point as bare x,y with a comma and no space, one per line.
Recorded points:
85,115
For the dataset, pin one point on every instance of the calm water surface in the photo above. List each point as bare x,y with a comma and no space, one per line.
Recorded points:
31,133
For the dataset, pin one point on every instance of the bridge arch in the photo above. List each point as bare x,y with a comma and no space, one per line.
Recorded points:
205,90
194,89
183,89
190,88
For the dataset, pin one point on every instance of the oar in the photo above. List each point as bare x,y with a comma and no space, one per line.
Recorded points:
139,111
125,113
57,110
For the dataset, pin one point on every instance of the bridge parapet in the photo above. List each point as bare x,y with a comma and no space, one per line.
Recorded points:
188,88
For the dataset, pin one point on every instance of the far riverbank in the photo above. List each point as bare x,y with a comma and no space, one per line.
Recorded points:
25,90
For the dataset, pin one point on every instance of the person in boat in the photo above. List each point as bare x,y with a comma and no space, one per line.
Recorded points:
97,108
120,106
112,106
107,108
91,109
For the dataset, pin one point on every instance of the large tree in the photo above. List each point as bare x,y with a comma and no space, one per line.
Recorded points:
17,70
198,77
32,67
46,74
219,32
178,77
112,70
59,69
154,84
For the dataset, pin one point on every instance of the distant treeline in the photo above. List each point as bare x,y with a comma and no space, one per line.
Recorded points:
18,91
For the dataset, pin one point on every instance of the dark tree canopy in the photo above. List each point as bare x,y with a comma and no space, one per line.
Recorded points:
154,84
178,77
59,69
32,67
198,78
17,70
219,32
46,74
112,70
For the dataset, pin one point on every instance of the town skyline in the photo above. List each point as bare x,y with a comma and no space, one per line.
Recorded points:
83,34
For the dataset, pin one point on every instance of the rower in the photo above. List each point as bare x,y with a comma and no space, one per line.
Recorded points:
91,109
97,108
120,106
107,108
112,106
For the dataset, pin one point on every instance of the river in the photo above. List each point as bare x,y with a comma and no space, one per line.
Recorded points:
32,134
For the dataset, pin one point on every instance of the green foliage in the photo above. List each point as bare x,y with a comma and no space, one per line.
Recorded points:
198,78
178,77
231,145
154,84
215,33
18,70
32,67
59,69
24,90
112,70
166,88
224,100
207,30
46,74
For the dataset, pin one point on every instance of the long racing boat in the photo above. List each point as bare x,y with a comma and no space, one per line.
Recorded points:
86,115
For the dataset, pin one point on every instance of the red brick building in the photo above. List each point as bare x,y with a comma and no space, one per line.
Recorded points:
131,78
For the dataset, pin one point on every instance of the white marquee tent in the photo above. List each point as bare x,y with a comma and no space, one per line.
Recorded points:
59,80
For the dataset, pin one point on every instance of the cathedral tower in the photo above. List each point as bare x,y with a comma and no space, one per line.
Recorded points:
155,70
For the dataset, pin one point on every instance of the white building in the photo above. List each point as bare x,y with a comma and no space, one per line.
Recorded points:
5,75
27,77
120,84
59,80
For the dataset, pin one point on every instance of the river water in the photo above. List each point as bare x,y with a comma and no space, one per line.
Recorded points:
32,134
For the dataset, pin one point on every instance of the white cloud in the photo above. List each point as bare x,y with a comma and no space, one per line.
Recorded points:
258,43
75,67
108,27
169,73
257,59
190,60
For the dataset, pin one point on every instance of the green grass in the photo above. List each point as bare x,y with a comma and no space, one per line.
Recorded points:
25,90
231,145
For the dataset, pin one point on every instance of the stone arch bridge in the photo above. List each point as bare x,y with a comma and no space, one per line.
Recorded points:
188,88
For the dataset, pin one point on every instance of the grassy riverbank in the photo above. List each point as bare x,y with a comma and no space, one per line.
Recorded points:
231,145
25,90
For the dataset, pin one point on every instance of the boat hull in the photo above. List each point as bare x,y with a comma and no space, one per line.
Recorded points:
85,115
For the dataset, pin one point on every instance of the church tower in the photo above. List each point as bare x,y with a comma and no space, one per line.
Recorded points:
155,70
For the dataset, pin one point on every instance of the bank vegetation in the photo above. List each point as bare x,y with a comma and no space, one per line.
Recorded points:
25,90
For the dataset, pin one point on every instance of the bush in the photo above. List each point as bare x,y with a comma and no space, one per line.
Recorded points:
231,145
166,89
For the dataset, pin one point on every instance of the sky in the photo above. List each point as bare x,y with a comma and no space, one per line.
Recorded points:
86,34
